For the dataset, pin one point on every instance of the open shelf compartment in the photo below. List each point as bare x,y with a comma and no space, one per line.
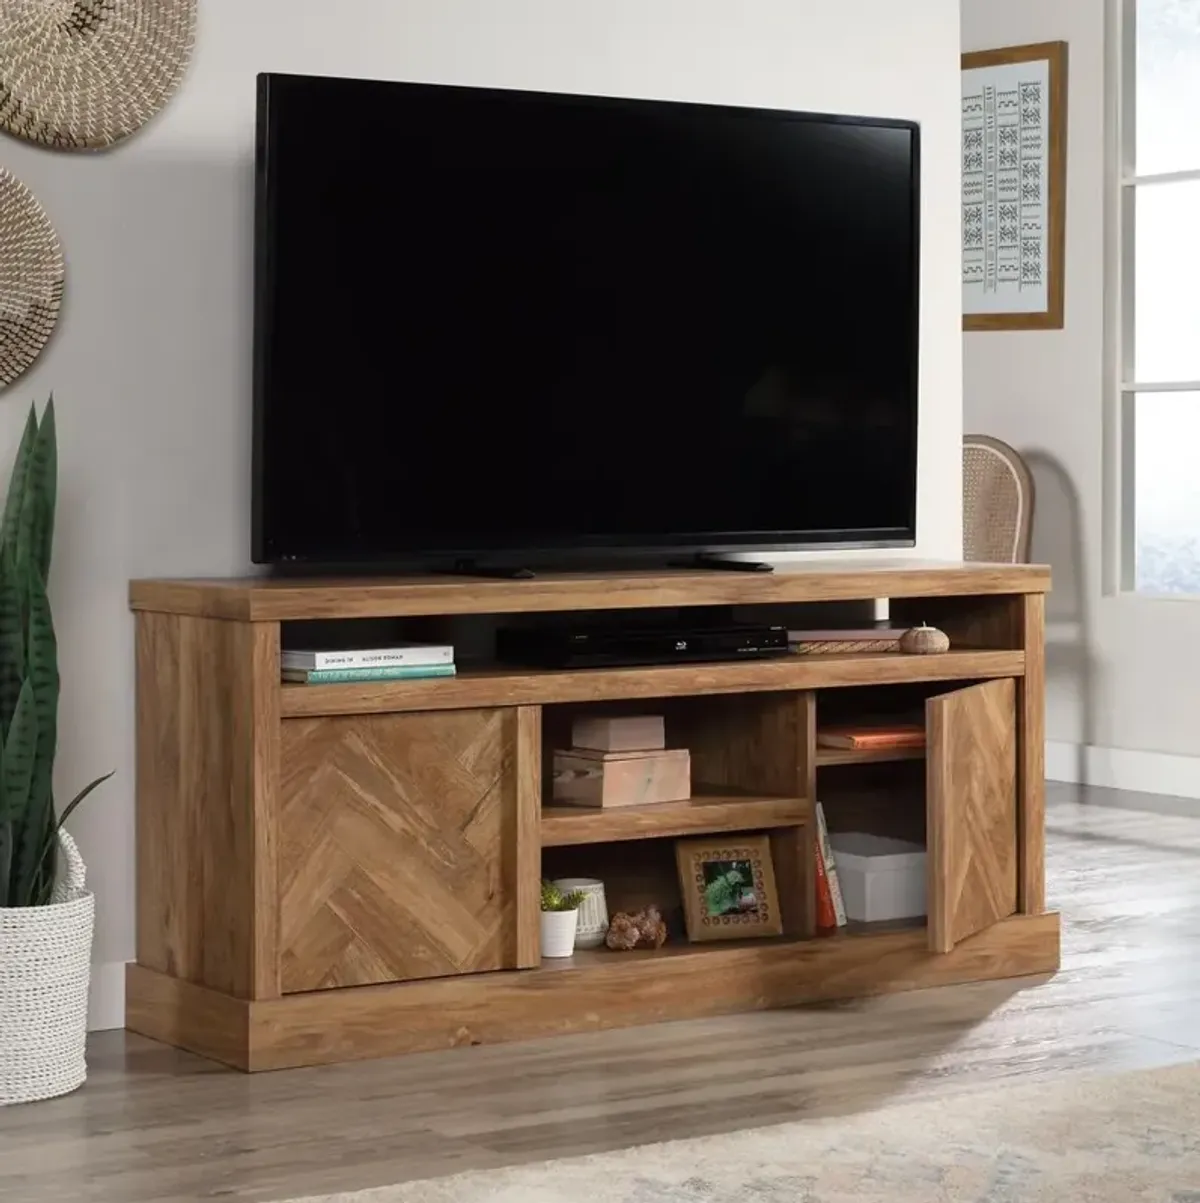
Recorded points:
705,814
488,685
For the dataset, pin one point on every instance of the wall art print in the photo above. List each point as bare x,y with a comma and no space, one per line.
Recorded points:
1014,110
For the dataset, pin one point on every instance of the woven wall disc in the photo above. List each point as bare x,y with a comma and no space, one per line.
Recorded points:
31,278
84,74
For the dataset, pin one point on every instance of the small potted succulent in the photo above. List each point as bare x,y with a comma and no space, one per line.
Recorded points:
560,914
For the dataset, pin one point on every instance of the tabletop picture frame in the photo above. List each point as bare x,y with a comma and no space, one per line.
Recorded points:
1014,180
728,887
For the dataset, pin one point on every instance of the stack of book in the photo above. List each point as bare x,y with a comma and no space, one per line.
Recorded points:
868,639
403,661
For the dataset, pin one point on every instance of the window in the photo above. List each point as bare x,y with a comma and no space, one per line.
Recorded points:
1160,285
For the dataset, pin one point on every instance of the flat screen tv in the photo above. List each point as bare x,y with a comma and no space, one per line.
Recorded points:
500,324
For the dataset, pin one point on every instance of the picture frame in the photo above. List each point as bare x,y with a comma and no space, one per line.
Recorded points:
728,887
1014,202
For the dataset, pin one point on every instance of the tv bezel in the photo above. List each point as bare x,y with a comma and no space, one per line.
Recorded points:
544,548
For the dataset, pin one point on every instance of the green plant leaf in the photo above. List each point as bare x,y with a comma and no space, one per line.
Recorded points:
83,793
41,491
37,849
15,498
26,822
34,847
12,637
16,770
41,889
6,849
35,522
553,899
42,673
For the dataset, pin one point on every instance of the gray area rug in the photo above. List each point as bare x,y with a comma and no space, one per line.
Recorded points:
1128,1138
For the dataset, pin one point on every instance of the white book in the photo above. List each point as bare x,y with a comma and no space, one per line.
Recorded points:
376,657
835,886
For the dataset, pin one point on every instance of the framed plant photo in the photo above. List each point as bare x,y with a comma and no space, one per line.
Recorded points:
728,887
1014,181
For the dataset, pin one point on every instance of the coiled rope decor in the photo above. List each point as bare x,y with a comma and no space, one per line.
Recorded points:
31,278
85,74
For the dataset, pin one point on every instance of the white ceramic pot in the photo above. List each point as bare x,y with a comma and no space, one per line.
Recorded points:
593,910
558,933
45,966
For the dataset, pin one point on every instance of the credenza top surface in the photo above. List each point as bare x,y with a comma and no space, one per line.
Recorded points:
282,598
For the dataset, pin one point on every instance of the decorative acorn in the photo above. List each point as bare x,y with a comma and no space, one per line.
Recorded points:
924,641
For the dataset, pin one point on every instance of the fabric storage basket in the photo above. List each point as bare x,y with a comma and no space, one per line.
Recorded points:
45,967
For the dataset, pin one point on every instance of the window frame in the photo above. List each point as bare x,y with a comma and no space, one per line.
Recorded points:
1122,389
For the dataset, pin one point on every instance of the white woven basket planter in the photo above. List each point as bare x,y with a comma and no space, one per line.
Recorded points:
45,967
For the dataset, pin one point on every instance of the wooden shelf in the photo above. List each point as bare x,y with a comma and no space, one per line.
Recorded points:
880,927
530,687
828,756
281,599
602,958
704,815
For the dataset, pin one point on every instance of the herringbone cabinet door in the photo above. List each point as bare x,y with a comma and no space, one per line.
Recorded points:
972,810
394,832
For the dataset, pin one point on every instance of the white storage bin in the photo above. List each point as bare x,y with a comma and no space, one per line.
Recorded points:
881,878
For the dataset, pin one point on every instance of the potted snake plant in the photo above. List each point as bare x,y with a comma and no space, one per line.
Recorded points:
46,911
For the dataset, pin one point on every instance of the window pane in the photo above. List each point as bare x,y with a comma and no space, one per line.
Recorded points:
1168,86
1167,493
1167,283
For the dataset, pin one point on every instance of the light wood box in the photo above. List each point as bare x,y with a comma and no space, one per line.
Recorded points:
587,778
619,733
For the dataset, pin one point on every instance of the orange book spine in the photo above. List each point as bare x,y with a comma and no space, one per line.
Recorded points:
889,739
826,915
898,737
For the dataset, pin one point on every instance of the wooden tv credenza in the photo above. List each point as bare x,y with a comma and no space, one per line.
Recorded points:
341,871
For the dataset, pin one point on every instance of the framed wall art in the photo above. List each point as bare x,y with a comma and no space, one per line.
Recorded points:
1014,181
728,887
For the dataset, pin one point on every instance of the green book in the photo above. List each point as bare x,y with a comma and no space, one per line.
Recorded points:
390,672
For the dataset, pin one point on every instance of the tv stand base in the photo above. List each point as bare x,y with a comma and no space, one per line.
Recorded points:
329,1026
707,560
489,571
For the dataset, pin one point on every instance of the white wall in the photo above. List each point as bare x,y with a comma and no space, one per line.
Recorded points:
151,364
1122,677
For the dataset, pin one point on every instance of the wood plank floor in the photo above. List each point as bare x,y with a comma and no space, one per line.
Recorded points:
154,1124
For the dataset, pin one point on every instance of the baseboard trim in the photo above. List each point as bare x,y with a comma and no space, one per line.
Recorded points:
106,999
1124,769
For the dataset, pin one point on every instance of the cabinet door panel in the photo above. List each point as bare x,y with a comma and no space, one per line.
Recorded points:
972,810
397,846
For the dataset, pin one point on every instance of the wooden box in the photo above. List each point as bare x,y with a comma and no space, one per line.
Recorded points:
588,778
619,733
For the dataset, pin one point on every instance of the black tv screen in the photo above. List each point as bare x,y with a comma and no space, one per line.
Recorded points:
497,323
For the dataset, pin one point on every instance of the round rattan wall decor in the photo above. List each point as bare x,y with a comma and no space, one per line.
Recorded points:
31,278
85,74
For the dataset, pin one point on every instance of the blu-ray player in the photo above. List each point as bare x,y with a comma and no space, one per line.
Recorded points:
567,646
